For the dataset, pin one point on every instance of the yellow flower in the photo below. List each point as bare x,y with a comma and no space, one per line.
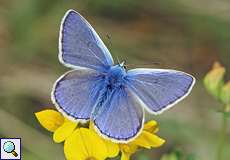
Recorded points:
147,139
53,121
85,144
213,81
80,143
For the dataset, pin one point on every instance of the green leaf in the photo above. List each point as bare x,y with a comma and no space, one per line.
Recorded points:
171,156
227,114
191,157
143,157
179,154
225,93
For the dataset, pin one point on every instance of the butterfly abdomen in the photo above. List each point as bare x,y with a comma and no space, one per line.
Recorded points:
114,80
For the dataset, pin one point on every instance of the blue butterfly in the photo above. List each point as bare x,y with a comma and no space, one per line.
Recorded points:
111,97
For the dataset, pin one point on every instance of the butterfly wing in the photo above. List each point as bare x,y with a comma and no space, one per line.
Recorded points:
75,93
120,118
80,46
159,89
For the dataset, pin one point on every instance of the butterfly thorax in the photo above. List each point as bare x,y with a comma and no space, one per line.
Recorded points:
115,76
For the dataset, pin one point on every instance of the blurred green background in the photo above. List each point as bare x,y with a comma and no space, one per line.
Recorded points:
184,35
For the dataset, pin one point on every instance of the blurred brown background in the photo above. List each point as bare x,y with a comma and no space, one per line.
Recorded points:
184,35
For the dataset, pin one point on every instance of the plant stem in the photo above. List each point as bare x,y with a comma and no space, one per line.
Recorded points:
222,137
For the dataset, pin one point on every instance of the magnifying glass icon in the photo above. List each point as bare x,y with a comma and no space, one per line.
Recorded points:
9,147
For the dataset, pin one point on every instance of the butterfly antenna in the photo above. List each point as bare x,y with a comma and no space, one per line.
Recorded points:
109,39
110,43
118,59
145,64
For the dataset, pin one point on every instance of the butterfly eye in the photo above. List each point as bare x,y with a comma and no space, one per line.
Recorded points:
125,67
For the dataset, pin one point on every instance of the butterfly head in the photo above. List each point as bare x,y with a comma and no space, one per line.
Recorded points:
122,65
115,75
118,70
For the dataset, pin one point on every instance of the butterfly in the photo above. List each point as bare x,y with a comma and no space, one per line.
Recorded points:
105,93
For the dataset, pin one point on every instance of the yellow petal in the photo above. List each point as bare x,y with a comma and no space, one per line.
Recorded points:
84,143
112,148
125,156
225,93
91,127
127,150
213,81
64,131
98,149
50,119
151,126
148,140
74,147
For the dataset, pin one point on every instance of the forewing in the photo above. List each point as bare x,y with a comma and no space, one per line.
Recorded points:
120,118
159,89
75,93
80,46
